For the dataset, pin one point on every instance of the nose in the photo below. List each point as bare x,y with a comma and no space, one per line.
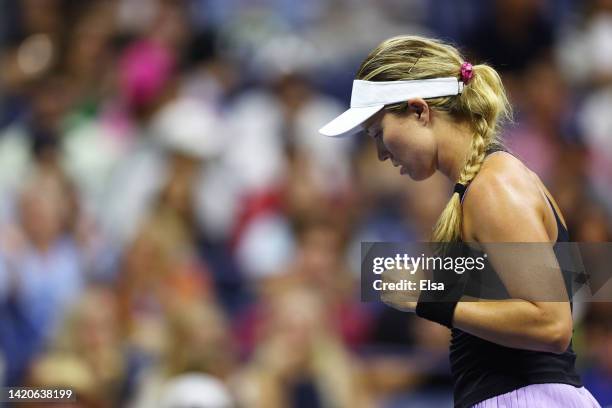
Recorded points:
381,150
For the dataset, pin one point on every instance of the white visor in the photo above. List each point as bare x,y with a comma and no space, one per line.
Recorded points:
369,97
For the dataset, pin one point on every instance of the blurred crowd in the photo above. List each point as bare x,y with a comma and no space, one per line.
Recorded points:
174,232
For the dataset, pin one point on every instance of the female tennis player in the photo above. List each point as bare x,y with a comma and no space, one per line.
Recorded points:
428,109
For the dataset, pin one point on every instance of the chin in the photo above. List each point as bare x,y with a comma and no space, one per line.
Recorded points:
420,175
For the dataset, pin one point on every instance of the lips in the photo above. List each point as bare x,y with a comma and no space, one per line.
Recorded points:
403,169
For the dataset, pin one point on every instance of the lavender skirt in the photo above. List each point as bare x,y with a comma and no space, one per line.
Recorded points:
543,396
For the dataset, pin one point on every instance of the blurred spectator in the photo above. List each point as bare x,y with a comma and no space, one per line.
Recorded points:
546,122
92,333
585,55
34,138
159,268
514,35
597,127
65,371
90,340
585,58
195,391
43,268
299,361
319,264
198,342
281,169
180,138
598,332
593,225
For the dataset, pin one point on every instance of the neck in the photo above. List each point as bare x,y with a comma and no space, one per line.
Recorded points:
454,143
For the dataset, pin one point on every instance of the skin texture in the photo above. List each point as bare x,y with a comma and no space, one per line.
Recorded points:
506,202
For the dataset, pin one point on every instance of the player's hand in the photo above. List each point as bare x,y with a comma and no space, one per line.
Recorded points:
404,299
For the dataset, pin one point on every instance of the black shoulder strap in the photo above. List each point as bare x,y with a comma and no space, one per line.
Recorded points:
562,232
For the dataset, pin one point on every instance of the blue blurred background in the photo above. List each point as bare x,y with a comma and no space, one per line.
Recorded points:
173,230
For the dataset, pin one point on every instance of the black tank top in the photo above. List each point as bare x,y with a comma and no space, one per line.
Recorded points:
482,369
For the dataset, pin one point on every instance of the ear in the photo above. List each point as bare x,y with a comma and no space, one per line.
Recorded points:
419,108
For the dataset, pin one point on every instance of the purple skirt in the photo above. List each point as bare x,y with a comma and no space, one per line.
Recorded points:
543,396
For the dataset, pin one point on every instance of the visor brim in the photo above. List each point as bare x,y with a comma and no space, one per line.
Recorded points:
350,121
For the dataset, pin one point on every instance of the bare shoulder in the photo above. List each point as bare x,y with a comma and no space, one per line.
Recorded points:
503,203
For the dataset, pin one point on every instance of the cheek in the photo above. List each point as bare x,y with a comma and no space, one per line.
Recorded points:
416,151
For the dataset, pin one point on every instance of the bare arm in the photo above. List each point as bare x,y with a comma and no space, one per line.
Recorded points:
507,210
517,323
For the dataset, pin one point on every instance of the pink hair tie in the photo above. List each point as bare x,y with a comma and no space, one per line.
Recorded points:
467,72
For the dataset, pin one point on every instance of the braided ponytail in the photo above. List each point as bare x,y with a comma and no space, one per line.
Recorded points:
448,226
486,104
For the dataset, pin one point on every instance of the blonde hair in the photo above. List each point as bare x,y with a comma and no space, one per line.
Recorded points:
483,103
